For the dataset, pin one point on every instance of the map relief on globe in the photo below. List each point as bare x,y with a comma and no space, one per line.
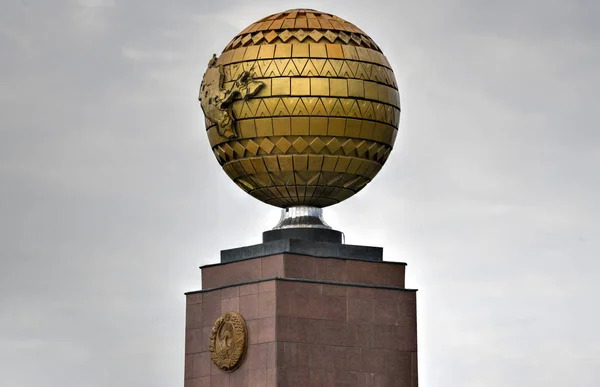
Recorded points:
301,109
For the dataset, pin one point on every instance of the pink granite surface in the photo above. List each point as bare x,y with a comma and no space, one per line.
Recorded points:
303,333
303,267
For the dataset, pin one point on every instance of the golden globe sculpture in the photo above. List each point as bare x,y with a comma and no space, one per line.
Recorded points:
301,108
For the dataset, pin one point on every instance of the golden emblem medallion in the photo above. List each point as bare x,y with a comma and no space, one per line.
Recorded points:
228,341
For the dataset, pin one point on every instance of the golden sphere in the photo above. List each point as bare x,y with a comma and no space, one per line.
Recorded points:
302,108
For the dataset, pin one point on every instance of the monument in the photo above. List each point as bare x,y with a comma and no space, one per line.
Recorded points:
302,111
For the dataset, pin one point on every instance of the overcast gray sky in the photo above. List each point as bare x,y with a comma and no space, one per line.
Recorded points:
110,198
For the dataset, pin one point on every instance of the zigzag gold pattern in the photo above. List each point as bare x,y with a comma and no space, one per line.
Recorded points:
264,146
317,107
301,36
306,67
300,51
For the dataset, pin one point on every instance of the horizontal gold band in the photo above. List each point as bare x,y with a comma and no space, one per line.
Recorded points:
303,50
307,68
301,35
309,145
328,87
287,107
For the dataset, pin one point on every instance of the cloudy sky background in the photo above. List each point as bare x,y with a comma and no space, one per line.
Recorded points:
110,198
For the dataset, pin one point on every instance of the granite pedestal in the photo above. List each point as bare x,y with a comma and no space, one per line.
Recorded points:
313,320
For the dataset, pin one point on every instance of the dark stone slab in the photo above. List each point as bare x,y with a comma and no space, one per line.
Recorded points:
304,247
309,234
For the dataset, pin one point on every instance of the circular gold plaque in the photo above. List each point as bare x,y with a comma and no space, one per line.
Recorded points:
302,108
228,341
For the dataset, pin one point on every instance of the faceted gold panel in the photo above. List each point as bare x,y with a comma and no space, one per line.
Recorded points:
321,127
325,118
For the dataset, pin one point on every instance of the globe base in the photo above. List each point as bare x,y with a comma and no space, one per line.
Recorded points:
301,217
304,223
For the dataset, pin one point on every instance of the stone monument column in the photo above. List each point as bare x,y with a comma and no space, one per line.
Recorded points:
302,111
